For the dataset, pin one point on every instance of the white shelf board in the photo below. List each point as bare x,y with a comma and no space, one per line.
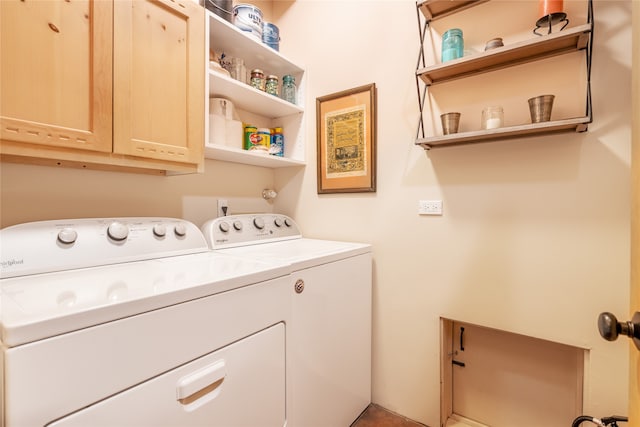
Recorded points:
248,98
227,38
237,155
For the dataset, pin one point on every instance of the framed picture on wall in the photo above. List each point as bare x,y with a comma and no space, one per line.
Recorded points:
346,140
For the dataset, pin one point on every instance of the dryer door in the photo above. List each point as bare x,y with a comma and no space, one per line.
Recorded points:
241,385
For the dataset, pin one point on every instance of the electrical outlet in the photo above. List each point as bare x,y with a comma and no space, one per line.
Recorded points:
430,207
223,207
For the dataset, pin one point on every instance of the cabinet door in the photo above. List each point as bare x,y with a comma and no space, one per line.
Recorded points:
159,86
56,73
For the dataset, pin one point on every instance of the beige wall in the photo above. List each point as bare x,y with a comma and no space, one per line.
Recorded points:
535,233
534,238
32,193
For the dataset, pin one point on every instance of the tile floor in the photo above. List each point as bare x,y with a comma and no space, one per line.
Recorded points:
377,416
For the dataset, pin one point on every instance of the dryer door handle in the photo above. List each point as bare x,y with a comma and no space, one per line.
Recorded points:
205,382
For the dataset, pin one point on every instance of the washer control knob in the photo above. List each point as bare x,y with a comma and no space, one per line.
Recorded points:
288,222
278,222
118,231
160,230
259,223
180,230
224,226
67,235
237,225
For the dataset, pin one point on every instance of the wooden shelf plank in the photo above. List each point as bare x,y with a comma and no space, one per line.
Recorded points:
534,49
434,9
578,124
237,155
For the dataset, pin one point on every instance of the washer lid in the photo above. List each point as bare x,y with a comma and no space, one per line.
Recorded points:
300,253
44,305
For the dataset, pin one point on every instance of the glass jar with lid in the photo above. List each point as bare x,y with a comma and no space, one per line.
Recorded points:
289,89
452,45
257,79
271,85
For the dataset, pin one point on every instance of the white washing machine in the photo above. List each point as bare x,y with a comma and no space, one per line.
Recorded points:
134,322
329,362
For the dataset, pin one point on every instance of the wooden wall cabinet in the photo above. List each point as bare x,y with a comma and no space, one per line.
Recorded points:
102,84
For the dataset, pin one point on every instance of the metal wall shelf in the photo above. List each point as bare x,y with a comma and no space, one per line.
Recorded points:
538,48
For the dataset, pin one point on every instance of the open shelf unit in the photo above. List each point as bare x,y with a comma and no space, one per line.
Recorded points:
571,40
272,111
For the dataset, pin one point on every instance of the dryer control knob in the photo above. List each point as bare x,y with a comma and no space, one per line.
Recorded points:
160,230
118,231
278,222
259,223
180,230
288,222
237,225
224,226
67,235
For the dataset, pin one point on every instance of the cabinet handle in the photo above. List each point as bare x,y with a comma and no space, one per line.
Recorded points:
201,386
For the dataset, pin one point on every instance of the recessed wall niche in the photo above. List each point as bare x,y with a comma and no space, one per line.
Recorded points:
495,378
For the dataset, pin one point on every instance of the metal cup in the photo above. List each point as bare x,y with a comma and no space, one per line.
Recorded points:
450,122
540,108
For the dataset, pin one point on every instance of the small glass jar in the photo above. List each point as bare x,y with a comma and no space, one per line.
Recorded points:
289,89
237,70
492,117
271,85
452,45
257,79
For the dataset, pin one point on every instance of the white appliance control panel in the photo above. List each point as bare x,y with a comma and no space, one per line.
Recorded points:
47,246
240,230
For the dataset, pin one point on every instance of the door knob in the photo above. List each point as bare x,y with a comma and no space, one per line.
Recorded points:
610,328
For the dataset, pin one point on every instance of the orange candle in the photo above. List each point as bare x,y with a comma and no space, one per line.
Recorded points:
548,7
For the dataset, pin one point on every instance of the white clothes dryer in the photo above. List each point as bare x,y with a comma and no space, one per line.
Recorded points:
329,353
134,322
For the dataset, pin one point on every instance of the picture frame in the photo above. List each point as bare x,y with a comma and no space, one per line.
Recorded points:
346,140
